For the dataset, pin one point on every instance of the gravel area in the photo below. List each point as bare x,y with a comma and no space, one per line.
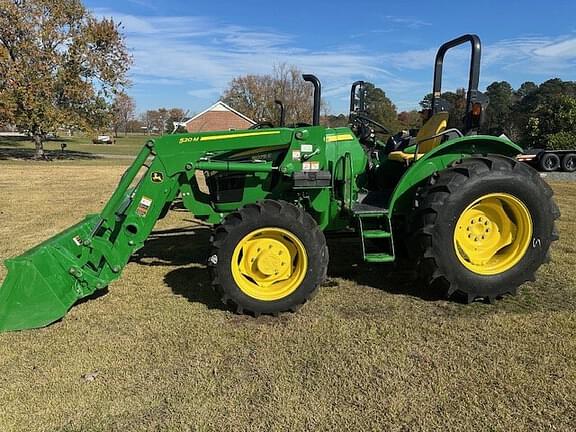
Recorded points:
559,176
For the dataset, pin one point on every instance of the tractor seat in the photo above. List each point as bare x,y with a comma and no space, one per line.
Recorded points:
404,156
434,126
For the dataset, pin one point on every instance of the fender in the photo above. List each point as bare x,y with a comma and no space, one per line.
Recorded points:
440,158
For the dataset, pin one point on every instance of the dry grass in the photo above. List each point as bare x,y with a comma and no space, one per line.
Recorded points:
368,353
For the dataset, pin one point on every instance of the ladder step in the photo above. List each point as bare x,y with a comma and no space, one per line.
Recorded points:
366,210
365,215
378,258
376,234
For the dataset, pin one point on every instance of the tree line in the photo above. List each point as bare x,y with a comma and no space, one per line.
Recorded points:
62,67
123,118
533,115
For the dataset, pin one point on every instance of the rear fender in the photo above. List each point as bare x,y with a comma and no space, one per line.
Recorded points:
440,158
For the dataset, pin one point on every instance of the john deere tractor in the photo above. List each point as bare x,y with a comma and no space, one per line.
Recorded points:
477,224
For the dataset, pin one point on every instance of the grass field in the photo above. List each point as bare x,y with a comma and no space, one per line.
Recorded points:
370,352
77,147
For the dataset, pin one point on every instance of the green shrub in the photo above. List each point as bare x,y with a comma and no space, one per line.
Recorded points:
561,141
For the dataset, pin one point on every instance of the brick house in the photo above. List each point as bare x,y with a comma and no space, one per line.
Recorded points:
218,117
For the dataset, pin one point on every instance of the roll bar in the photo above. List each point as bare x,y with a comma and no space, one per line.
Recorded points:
361,107
474,70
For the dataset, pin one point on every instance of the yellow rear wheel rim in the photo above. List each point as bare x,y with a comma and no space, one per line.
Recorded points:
493,234
269,264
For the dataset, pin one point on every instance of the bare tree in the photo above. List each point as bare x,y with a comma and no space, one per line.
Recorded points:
162,120
175,116
151,121
254,95
122,112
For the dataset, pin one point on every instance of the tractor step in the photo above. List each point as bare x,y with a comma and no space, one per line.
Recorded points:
367,210
376,234
378,258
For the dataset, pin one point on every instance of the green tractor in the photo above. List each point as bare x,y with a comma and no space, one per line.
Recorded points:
476,222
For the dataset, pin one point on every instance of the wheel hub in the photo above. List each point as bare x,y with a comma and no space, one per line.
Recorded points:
263,258
269,263
492,234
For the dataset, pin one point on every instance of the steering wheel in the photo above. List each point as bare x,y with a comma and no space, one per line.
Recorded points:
262,125
380,126
365,129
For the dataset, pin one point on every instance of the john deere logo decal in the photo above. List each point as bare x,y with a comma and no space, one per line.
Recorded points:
157,177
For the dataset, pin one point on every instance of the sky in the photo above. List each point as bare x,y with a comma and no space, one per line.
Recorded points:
186,52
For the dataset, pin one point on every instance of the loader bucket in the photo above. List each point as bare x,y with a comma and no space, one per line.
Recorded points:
41,285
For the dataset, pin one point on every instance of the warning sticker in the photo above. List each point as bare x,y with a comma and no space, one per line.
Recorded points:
311,166
296,155
77,240
306,148
144,206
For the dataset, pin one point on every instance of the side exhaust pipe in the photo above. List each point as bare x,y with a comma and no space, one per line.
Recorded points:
317,97
282,112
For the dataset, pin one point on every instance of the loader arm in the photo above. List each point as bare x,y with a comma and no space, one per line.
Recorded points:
43,283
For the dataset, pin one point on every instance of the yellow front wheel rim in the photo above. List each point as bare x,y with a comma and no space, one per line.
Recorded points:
493,234
269,264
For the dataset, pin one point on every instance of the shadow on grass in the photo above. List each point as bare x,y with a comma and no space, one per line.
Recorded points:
400,278
28,154
95,295
14,147
13,141
189,249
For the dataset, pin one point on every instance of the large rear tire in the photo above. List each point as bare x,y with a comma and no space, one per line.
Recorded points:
483,227
268,257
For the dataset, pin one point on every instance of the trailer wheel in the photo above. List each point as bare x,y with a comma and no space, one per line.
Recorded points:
549,162
569,162
484,226
268,258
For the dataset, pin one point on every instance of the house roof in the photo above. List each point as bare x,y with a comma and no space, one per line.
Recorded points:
220,106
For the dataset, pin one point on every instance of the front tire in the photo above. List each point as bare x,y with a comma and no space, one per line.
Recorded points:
267,258
484,226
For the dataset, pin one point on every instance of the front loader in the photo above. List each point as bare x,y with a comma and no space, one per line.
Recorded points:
477,223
